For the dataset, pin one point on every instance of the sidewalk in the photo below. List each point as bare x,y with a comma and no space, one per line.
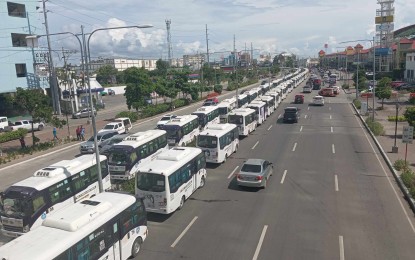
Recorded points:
388,139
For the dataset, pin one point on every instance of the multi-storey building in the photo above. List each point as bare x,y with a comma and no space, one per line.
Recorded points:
410,66
18,20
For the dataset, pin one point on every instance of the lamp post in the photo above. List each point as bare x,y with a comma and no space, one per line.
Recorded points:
94,127
394,147
372,41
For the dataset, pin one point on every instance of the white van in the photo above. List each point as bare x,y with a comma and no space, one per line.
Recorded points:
3,123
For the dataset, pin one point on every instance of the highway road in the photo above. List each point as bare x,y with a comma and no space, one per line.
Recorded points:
330,197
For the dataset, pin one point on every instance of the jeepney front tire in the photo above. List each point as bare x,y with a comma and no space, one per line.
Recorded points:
136,247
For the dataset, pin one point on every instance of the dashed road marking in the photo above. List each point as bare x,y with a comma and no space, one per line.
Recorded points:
341,247
269,128
261,240
301,128
333,149
184,232
331,129
336,183
253,147
283,177
295,146
234,170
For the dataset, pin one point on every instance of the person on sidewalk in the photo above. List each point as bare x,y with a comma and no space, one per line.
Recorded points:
78,133
22,142
82,133
55,134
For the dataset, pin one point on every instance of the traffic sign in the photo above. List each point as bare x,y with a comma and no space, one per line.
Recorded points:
408,134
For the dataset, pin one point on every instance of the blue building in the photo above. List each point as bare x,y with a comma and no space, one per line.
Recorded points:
17,62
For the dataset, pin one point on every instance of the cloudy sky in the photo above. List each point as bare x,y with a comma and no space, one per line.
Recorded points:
272,26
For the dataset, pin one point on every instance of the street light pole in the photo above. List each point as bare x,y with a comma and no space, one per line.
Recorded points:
94,127
374,79
357,75
395,148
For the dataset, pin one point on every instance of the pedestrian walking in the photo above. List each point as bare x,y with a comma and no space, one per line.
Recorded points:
82,133
22,142
55,134
78,133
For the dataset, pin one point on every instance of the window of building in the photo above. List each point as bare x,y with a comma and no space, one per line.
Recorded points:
19,40
21,70
16,10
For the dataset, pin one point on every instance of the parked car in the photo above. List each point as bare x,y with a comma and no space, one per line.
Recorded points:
318,101
406,86
291,114
126,122
209,103
88,146
397,83
3,123
24,124
213,100
104,147
255,173
299,99
83,113
164,120
113,126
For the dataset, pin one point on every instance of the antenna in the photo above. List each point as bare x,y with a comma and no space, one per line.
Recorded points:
169,48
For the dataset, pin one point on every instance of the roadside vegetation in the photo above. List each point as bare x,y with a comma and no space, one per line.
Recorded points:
375,126
407,175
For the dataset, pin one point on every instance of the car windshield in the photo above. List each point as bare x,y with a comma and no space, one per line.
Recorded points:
235,119
173,131
99,137
251,168
165,118
115,140
109,127
151,182
14,207
205,141
119,158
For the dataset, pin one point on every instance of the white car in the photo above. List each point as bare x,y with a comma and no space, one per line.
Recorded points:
318,101
164,120
114,127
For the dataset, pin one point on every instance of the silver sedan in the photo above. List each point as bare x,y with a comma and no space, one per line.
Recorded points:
255,173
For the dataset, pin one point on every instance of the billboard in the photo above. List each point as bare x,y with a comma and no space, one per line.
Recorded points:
383,51
384,19
385,27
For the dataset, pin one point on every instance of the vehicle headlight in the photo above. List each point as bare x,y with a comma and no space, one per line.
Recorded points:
26,229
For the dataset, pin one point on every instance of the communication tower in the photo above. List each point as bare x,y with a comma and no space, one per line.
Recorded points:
384,34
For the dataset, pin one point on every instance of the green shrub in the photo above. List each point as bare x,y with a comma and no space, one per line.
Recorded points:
375,127
154,110
345,86
128,186
400,165
13,135
393,118
357,103
133,116
408,179
181,102
218,89
412,100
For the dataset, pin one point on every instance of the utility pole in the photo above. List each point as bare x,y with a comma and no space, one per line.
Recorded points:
169,48
37,83
207,45
52,79
69,86
235,66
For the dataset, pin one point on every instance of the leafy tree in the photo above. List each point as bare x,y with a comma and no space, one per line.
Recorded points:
410,115
166,89
162,67
139,87
37,104
180,81
208,74
383,89
106,74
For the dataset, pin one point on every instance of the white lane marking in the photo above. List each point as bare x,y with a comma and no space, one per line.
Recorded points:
295,145
330,116
331,129
341,246
253,147
269,128
234,170
333,149
305,116
184,232
283,177
329,108
384,171
336,182
261,240
301,128
308,108
40,156
279,116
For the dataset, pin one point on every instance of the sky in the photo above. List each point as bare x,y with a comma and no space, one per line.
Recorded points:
301,27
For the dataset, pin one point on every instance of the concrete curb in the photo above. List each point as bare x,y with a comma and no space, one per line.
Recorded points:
388,162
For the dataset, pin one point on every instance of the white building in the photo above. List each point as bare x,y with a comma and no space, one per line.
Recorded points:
123,64
410,66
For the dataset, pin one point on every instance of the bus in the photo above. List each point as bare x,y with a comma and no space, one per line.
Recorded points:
124,157
218,142
173,177
25,204
182,130
108,226
242,101
253,94
276,95
270,103
245,119
283,89
207,115
261,110
265,88
225,107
